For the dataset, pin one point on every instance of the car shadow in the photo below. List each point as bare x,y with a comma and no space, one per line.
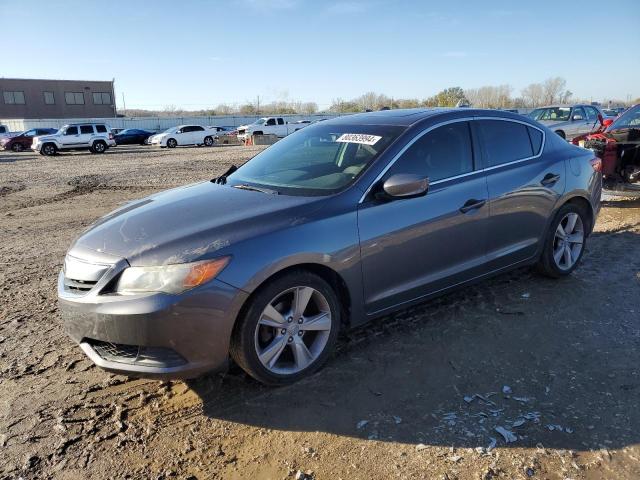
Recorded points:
552,361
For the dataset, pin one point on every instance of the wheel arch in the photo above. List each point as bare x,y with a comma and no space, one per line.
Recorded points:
583,201
328,274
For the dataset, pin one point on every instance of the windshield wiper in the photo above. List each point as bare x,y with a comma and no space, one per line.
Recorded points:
222,179
257,189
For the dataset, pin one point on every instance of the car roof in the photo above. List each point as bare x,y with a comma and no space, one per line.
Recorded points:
568,105
411,116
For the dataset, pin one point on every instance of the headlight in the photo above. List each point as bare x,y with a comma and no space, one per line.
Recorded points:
169,278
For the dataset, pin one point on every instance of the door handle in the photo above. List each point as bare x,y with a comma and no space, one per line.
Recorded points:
549,179
472,204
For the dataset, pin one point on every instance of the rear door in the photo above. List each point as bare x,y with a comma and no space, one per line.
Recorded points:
416,246
86,134
524,185
197,134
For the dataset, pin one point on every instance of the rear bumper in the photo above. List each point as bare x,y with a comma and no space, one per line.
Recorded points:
154,335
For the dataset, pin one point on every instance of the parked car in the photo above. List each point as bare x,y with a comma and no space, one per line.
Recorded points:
617,143
341,222
4,129
268,126
132,136
23,141
569,121
116,131
95,137
183,135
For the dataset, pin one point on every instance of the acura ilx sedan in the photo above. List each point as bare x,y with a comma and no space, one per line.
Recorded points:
338,223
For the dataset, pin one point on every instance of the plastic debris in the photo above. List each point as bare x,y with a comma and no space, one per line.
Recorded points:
361,424
508,435
397,420
507,390
492,444
420,447
525,295
521,399
518,422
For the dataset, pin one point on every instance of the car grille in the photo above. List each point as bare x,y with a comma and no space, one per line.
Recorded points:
80,276
137,355
241,131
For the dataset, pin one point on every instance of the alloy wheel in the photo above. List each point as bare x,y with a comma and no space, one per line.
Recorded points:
293,330
17,147
568,241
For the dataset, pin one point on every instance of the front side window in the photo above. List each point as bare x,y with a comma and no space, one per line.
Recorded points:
29,133
442,153
71,131
74,98
86,129
13,98
49,98
578,114
101,98
504,141
317,160
271,122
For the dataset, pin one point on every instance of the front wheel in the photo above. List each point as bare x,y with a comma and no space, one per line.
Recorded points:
208,141
17,147
288,330
565,242
48,149
171,143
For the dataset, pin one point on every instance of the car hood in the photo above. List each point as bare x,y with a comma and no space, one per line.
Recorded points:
43,138
191,223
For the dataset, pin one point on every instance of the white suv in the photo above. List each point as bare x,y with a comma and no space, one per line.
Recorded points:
96,137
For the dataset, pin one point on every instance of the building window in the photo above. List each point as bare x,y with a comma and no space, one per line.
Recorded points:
49,98
101,98
14,98
74,98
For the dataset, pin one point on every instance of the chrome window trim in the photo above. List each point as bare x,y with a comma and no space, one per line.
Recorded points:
448,122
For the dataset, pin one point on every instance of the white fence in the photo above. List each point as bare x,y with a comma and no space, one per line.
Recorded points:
155,124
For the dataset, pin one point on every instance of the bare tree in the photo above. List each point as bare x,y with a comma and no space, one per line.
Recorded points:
533,95
490,96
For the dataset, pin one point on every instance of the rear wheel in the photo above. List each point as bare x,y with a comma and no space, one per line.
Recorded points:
208,141
17,147
99,147
288,330
565,242
48,149
171,143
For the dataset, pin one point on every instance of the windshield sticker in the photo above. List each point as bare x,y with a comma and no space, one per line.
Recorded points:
362,138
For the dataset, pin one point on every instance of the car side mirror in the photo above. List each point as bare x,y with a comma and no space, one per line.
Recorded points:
405,185
577,118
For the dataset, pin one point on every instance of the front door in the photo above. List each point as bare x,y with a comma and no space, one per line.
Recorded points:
71,137
413,247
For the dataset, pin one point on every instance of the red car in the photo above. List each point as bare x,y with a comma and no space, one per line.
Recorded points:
617,143
24,140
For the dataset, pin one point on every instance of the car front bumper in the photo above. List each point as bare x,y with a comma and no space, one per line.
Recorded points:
154,335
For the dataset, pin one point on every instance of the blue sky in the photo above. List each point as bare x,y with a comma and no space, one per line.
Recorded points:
197,53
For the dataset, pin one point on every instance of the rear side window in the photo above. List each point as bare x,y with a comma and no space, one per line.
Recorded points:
504,141
86,129
101,129
535,136
197,129
442,153
280,121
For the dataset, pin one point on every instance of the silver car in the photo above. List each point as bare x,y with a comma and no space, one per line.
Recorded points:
569,121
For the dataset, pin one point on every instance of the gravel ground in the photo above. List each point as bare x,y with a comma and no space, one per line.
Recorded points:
517,377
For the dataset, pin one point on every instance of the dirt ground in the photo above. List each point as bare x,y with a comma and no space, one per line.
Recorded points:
418,395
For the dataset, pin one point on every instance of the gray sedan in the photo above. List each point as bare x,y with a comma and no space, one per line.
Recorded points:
569,121
341,222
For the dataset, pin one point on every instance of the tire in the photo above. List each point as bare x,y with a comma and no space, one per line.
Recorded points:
171,143
208,142
48,149
553,261
17,147
298,352
561,134
99,147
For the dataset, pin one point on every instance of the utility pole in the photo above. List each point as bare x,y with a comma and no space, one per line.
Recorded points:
124,105
258,105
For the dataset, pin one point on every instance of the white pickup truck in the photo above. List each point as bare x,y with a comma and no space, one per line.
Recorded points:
268,126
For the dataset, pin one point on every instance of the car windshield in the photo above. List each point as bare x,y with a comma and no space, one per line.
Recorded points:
259,121
124,132
629,119
171,130
554,114
318,160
